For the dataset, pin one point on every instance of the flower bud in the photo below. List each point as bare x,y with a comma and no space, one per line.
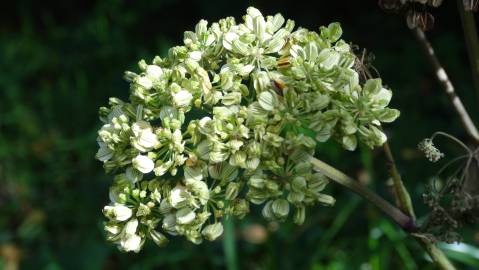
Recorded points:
144,82
299,215
267,211
212,231
280,208
143,210
154,72
169,223
182,98
159,238
240,208
232,190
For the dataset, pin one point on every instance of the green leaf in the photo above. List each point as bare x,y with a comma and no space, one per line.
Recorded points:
464,253
326,199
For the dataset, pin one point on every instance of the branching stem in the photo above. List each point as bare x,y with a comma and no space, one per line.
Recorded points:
447,86
403,220
472,40
402,195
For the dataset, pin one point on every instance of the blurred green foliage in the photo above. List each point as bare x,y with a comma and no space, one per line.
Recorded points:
61,60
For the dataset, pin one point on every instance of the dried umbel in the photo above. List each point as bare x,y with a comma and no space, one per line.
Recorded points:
415,11
225,121
453,196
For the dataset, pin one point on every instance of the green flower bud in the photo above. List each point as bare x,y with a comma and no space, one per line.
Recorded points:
280,208
182,98
232,190
240,208
169,223
299,215
144,82
159,238
143,210
212,231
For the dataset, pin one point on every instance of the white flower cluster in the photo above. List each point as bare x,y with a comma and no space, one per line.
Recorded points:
430,150
226,120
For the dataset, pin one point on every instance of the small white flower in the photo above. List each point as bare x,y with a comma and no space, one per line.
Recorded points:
113,232
195,55
178,196
145,83
162,167
182,98
143,163
119,212
131,242
104,153
154,72
185,216
200,189
169,224
145,138
130,227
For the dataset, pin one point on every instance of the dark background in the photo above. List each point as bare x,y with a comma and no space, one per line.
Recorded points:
61,60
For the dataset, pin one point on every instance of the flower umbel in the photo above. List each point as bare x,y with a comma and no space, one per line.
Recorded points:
223,122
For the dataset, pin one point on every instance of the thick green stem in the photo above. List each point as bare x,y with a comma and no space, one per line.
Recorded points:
402,195
437,256
229,245
404,221
472,40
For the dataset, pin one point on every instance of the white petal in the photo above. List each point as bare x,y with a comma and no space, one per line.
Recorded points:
143,163
131,243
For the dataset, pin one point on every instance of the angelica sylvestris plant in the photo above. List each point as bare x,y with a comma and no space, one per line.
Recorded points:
220,124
